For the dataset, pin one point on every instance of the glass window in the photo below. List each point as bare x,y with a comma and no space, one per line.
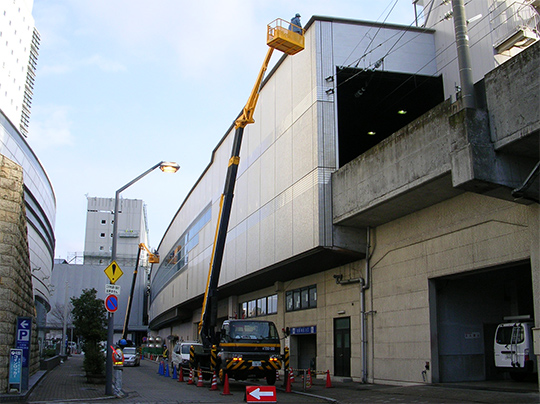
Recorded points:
289,301
272,304
313,296
252,308
297,300
243,313
305,298
261,306
102,235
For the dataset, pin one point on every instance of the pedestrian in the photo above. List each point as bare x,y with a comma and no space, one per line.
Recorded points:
296,25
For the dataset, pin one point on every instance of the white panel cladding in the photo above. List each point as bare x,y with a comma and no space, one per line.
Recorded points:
405,51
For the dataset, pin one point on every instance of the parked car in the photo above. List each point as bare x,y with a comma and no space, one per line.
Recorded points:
180,353
131,356
514,349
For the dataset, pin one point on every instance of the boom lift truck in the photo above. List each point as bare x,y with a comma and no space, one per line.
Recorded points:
153,258
243,348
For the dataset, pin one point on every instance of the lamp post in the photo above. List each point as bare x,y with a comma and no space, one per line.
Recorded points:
165,167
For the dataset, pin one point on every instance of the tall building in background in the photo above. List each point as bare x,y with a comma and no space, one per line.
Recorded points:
71,279
132,230
19,41
18,55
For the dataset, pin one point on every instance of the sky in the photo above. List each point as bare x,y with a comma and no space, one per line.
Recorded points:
124,84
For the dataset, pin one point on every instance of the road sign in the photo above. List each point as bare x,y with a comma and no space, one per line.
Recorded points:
113,272
260,394
23,338
112,289
111,303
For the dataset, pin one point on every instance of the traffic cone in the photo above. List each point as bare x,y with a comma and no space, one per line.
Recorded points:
174,375
181,374
292,375
277,375
160,369
214,382
226,391
309,382
200,382
190,380
288,387
328,381
167,369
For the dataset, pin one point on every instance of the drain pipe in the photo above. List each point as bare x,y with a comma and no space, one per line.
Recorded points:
363,314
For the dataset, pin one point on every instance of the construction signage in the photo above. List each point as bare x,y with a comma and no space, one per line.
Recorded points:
261,394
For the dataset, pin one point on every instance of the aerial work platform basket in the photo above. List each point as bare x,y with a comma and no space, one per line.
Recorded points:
280,36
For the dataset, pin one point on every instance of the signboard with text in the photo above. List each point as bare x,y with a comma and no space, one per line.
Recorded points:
23,338
15,369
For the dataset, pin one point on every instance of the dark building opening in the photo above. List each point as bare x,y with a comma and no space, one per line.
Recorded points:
374,104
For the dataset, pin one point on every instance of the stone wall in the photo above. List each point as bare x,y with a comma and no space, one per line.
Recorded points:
16,294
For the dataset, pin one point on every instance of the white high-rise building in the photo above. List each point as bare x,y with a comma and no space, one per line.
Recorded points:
19,44
132,230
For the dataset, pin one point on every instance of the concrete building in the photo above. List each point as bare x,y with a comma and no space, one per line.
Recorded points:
387,225
132,230
69,279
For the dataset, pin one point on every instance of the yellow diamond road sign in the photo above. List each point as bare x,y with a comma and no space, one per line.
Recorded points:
113,272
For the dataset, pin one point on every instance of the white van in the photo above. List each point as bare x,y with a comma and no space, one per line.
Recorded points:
514,350
180,353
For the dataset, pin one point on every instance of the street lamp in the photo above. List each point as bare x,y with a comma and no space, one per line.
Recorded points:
164,166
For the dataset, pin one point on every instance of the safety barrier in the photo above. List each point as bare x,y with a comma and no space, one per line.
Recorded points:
196,376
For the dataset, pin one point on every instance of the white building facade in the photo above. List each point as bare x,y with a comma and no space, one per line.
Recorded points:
364,189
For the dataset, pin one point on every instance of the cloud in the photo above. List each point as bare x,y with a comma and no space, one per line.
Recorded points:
50,127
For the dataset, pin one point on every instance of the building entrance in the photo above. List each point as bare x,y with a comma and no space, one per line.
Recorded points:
467,309
342,346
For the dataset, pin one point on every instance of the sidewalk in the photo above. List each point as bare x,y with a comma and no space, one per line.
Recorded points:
67,383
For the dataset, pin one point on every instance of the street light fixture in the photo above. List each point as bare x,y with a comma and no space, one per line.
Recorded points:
165,166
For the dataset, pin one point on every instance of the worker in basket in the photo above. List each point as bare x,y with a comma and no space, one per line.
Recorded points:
296,25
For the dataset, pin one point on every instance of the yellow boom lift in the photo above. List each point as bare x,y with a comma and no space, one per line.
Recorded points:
243,348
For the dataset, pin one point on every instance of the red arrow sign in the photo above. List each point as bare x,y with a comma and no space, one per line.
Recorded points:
259,394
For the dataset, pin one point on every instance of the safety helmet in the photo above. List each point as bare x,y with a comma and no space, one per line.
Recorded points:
297,15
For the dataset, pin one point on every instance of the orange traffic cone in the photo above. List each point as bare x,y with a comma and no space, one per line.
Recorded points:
190,380
277,375
180,374
328,381
214,382
200,382
309,381
226,391
288,387
292,375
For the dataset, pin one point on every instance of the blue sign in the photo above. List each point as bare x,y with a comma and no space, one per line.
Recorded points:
23,338
312,329
15,366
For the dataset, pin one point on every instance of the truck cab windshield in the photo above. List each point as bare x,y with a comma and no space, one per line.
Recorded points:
252,330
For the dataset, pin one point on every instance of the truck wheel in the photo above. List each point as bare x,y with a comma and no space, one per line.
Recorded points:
271,378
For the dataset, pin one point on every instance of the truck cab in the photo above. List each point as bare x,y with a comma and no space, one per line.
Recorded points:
249,348
514,350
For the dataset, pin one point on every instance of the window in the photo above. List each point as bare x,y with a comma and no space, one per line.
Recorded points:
258,307
102,235
103,221
261,306
101,248
301,299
